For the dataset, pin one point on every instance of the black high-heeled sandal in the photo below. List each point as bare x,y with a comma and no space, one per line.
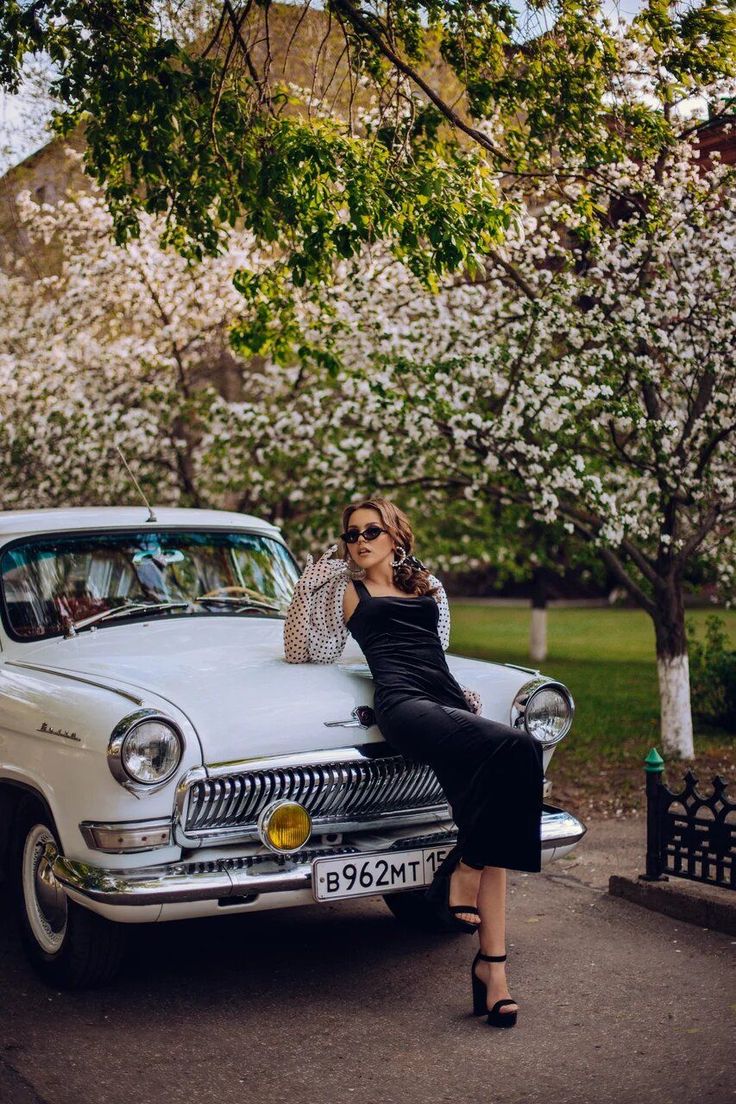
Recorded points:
438,895
480,996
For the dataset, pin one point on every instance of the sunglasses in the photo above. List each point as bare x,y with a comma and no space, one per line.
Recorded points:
350,536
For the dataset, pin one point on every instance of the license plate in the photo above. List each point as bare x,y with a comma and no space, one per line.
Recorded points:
364,874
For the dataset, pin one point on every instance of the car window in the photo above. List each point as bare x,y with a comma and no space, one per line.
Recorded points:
49,580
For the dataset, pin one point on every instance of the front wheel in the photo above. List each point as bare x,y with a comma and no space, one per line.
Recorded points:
411,908
69,946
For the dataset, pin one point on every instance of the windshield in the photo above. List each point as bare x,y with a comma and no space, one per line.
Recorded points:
47,582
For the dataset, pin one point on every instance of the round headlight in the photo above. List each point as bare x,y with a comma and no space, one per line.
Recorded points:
145,750
284,826
546,710
151,752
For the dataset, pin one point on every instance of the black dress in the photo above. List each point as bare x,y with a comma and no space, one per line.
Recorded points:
492,774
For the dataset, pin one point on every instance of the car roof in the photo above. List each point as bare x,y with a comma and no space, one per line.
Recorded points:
14,523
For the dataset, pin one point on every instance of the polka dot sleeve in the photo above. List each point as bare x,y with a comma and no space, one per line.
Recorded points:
443,625
296,627
473,699
314,630
327,630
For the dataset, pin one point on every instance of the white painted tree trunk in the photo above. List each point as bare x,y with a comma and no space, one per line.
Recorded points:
676,714
538,634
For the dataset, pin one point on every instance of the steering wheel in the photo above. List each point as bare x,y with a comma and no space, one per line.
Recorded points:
232,590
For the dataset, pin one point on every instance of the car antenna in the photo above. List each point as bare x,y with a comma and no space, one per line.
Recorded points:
151,515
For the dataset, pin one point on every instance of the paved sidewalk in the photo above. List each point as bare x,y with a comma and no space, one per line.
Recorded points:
338,1003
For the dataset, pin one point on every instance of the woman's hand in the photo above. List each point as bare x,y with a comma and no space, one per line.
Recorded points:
473,699
316,574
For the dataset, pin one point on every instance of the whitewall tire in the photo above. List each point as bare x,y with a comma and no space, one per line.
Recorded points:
69,946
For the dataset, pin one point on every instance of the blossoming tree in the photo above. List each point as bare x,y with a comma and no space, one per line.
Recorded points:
104,346
591,380
587,383
100,346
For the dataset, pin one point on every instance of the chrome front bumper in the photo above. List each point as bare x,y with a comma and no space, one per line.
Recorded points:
242,878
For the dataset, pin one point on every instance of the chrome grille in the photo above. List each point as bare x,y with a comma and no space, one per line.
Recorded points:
336,794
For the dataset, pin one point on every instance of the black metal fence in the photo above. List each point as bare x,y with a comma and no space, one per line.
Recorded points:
689,834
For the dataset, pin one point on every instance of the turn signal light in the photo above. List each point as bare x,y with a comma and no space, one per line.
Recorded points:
116,839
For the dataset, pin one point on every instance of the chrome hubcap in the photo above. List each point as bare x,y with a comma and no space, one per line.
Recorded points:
45,900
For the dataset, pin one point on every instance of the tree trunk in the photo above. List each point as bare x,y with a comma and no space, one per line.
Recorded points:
184,456
538,626
673,671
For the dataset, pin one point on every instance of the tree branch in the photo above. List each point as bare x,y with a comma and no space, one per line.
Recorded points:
514,274
612,561
362,24
695,539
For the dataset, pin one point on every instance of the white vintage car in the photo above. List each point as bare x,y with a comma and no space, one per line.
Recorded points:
160,760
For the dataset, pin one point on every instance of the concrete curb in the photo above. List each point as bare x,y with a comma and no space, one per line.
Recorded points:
694,902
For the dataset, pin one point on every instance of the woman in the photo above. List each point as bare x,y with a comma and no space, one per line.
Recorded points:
492,774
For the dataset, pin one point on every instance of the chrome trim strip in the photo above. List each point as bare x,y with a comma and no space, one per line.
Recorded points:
320,825
301,758
251,875
181,798
76,678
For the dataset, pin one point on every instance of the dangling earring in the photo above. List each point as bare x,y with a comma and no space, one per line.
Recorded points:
355,571
398,563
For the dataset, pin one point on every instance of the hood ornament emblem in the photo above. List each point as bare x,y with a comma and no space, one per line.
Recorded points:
362,717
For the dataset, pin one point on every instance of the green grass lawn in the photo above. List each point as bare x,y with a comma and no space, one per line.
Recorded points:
606,658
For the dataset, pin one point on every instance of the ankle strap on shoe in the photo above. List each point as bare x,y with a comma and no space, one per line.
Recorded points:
491,958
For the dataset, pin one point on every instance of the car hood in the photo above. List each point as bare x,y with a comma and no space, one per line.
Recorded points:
229,677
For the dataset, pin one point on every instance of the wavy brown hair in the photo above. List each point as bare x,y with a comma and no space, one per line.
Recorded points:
408,578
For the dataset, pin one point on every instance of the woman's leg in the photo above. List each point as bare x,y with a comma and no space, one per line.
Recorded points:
492,908
464,886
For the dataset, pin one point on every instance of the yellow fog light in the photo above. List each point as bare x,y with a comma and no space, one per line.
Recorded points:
284,826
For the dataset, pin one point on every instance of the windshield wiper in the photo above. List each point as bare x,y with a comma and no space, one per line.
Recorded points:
72,627
244,603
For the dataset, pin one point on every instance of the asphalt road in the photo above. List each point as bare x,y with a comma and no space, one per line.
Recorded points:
339,1003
